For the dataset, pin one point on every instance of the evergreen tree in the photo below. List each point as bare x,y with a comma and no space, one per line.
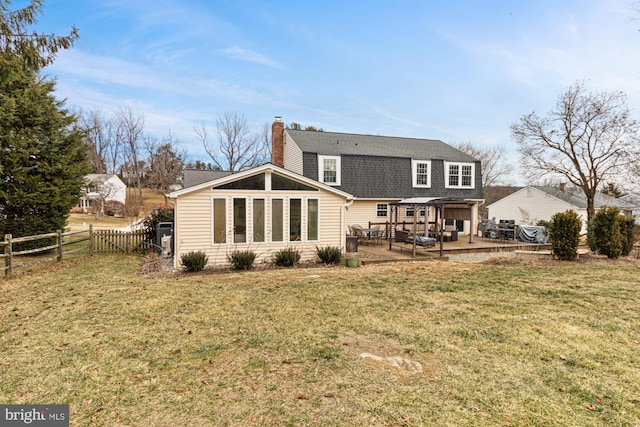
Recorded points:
42,156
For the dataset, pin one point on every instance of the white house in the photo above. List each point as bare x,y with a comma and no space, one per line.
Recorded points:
100,188
534,203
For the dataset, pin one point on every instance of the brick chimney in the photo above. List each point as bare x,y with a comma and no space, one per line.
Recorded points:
277,141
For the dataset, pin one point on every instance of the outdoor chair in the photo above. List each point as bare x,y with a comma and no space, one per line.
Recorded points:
357,231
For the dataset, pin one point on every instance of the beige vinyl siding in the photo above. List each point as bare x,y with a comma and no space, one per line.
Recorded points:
362,212
194,224
292,155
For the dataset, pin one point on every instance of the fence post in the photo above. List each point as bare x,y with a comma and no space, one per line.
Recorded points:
90,239
127,244
8,252
59,242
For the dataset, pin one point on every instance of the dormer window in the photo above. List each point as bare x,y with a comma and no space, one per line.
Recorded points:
421,173
459,175
329,170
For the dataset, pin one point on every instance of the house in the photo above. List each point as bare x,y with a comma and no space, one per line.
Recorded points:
100,189
380,170
317,184
264,209
633,200
534,203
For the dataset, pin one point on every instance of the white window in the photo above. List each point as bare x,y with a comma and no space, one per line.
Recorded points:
408,212
421,173
329,169
382,210
459,175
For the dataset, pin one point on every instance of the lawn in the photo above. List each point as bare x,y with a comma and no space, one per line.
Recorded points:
80,221
556,344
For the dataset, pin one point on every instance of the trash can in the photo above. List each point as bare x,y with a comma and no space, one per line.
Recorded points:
352,243
167,247
164,229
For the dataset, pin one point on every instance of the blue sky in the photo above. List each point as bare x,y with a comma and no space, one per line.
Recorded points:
459,71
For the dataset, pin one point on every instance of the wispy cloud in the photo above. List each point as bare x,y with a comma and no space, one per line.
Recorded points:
247,55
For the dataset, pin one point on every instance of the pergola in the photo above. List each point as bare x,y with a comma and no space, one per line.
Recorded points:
446,208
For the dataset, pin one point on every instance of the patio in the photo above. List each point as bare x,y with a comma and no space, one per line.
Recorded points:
378,253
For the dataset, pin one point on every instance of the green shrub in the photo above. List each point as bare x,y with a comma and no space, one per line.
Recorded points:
241,260
287,257
564,231
627,228
605,232
194,260
329,254
151,222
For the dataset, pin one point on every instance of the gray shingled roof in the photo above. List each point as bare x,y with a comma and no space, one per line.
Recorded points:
577,198
334,144
194,176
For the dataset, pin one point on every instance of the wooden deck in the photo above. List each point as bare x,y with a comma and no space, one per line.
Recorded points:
376,253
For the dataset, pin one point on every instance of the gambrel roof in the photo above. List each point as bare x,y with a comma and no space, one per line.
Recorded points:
380,167
335,144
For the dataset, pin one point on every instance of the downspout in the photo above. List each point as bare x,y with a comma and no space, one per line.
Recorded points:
343,233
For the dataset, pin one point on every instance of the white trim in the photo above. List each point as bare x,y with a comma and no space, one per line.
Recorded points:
414,173
460,165
321,160
249,172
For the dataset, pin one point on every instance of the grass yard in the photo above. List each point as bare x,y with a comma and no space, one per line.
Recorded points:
556,344
81,221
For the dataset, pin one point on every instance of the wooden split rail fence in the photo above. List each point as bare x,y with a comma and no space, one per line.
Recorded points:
92,241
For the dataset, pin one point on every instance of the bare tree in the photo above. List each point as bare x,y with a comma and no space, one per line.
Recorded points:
99,136
129,132
165,162
494,165
237,147
588,138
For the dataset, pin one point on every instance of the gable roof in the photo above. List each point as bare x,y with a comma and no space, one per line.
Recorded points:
573,197
193,177
632,199
101,178
336,144
230,177
577,198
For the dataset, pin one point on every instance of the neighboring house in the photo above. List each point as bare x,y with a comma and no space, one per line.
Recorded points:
317,184
633,199
264,209
379,170
99,189
534,203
